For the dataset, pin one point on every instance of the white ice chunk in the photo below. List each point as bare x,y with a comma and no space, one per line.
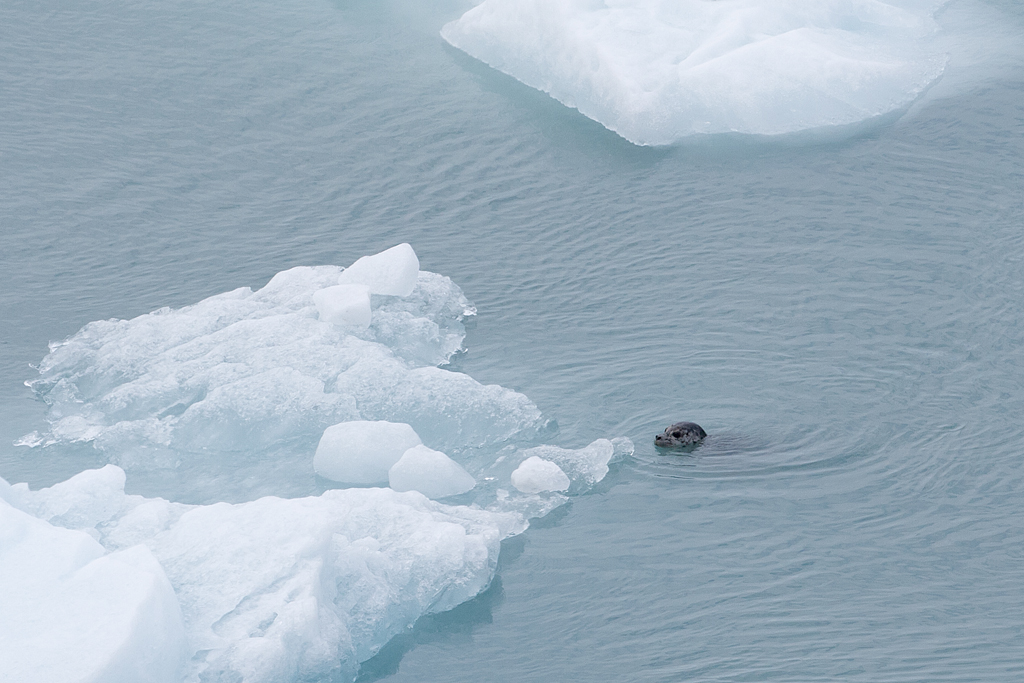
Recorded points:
536,474
430,472
344,305
655,71
362,452
70,614
391,272
584,466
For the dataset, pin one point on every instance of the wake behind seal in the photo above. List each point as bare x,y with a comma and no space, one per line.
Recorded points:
679,435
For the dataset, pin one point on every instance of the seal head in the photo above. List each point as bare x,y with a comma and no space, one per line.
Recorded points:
680,434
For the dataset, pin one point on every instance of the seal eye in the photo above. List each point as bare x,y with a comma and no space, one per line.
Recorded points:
677,434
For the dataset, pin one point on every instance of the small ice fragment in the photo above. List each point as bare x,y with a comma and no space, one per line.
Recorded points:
536,474
344,305
430,472
392,272
362,452
584,466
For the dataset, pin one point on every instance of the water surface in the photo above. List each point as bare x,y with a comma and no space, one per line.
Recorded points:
844,317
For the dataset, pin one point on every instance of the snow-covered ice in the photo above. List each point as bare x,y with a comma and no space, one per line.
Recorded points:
430,472
361,451
535,475
655,71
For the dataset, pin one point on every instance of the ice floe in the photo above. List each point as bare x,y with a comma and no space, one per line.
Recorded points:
270,590
259,375
249,392
656,71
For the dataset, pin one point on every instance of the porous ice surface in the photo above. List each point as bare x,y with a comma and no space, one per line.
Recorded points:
655,71
362,451
237,391
430,472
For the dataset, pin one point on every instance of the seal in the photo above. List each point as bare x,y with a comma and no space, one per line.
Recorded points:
680,434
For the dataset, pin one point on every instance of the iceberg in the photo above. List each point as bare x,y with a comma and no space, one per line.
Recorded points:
656,71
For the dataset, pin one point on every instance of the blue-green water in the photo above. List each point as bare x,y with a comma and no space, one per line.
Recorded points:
844,317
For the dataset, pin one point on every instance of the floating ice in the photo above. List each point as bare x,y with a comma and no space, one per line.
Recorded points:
391,272
655,71
229,397
430,472
362,452
259,376
70,613
583,466
344,305
535,475
270,590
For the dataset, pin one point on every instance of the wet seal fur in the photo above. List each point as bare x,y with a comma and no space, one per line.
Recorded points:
680,434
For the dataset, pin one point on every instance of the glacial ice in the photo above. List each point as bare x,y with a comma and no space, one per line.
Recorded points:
430,472
655,71
70,613
583,466
391,272
259,376
246,393
535,475
344,305
361,451
270,590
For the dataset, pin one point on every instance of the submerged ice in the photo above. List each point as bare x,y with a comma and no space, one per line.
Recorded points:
251,392
655,71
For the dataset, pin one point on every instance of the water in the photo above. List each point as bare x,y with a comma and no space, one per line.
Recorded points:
844,317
